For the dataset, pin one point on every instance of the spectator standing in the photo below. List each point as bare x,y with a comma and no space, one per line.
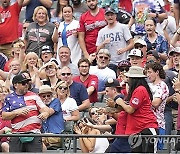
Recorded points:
79,7
9,19
177,11
39,32
25,107
140,117
154,40
115,37
160,92
90,24
32,4
88,80
66,34
143,9
58,12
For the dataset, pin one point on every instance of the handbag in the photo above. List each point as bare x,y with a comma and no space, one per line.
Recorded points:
52,141
26,139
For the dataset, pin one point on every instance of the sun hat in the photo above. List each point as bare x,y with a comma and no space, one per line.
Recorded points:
135,72
45,89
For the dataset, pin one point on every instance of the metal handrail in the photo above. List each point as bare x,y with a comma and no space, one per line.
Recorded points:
76,136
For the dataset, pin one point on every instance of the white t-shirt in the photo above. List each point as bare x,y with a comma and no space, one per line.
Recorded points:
103,75
72,40
68,106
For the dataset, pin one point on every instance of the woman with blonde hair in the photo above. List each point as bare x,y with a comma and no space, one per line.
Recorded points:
39,32
68,104
31,65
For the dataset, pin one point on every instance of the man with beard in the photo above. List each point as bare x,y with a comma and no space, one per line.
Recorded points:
102,71
90,24
78,8
9,19
26,111
88,80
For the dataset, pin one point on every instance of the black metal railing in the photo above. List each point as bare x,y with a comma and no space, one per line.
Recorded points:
168,138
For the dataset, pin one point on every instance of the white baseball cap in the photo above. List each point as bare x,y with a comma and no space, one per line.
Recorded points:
140,41
135,52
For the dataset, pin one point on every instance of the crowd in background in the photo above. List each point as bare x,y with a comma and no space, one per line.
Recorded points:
106,66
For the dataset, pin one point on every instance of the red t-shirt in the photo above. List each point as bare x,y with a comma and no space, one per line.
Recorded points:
9,23
121,123
92,80
91,25
143,116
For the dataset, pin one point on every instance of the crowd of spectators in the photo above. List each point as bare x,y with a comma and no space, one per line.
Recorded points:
106,66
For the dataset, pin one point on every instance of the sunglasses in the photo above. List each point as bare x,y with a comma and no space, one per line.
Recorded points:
64,88
93,113
64,74
24,82
137,46
122,69
50,68
103,57
46,95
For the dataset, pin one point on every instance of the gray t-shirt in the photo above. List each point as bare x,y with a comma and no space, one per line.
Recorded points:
45,37
119,36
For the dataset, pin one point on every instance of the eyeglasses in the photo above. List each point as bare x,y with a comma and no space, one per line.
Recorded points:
84,66
46,95
122,69
103,57
137,46
24,83
64,88
64,74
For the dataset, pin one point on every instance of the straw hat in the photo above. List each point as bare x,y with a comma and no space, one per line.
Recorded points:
135,72
45,89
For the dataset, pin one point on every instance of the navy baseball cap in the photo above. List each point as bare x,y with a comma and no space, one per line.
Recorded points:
19,78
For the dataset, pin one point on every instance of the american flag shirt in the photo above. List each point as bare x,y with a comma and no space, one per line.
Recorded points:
29,122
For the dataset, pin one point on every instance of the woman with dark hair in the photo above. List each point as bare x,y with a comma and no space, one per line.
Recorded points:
66,34
140,119
57,13
154,40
